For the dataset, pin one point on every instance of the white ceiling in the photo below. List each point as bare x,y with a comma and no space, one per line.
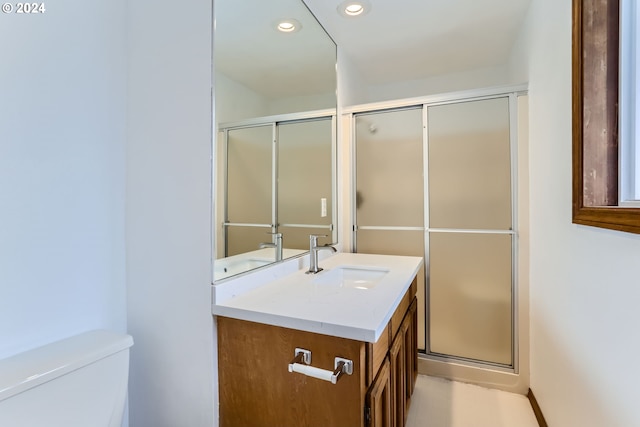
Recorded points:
397,41
401,40
250,51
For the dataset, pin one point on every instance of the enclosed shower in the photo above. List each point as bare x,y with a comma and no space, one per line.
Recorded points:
438,179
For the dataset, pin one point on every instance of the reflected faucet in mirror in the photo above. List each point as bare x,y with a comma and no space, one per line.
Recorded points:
276,243
313,252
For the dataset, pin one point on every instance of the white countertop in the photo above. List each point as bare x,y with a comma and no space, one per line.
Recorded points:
294,301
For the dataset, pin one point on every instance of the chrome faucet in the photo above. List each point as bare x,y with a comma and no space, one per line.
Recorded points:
276,243
313,252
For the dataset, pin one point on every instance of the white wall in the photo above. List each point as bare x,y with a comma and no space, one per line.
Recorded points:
453,82
354,92
237,102
168,214
585,282
519,58
62,172
351,88
296,104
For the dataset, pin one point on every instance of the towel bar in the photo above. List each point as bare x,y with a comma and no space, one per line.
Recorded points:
301,364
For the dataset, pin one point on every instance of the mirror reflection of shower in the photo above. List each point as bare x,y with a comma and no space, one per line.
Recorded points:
278,189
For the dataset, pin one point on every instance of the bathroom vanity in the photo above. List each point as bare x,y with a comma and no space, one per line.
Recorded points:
336,348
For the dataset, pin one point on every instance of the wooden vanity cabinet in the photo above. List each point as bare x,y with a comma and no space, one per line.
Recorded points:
403,357
398,378
256,388
378,406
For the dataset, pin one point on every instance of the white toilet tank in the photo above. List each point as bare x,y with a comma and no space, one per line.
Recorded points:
80,381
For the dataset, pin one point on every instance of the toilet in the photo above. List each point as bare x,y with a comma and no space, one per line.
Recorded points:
80,381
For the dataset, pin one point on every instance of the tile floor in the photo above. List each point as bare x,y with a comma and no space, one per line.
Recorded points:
438,402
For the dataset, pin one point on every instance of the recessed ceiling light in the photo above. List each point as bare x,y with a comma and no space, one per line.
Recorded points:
288,25
354,8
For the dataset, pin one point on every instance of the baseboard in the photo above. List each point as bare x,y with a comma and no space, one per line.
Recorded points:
536,409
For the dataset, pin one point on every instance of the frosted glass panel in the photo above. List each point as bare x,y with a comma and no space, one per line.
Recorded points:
391,242
249,175
470,296
399,242
304,173
246,239
389,165
469,165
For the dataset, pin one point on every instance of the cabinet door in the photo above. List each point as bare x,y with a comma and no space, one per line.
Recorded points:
257,390
378,401
409,329
397,360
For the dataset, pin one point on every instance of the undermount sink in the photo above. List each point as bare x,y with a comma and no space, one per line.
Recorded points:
351,277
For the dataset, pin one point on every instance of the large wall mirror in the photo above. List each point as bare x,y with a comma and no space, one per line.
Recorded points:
275,145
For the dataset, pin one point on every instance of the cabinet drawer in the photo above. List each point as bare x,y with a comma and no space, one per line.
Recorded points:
376,354
398,315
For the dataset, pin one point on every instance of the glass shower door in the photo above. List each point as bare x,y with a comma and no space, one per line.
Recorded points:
436,181
249,188
389,214
470,235
305,181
